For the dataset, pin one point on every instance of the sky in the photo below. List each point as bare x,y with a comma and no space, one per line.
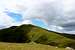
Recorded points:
55,15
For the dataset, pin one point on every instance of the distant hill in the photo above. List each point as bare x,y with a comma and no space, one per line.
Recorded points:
28,33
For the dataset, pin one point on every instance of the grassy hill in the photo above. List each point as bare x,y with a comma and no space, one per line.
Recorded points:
30,33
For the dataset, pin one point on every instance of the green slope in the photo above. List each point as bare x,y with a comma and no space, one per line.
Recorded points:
30,33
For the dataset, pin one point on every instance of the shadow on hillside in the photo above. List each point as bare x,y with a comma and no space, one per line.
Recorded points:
14,36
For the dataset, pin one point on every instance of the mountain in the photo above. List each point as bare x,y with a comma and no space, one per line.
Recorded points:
30,33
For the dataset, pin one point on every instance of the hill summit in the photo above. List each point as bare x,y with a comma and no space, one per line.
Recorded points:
29,33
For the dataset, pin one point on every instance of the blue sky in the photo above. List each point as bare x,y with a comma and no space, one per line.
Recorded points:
39,22
16,16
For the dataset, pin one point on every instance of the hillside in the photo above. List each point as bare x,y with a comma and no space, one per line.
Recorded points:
30,33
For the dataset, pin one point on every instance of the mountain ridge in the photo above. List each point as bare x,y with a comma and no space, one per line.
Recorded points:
29,33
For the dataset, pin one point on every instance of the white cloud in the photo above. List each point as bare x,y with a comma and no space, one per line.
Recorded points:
5,20
24,22
27,22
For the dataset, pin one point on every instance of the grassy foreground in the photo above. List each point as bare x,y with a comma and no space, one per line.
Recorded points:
26,46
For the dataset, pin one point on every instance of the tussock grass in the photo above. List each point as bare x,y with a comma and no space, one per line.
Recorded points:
26,46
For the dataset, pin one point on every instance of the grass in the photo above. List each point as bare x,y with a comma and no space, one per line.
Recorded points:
27,46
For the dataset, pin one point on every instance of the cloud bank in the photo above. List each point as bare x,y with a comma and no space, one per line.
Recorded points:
58,15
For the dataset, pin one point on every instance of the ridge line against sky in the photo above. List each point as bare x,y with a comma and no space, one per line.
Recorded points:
50,14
